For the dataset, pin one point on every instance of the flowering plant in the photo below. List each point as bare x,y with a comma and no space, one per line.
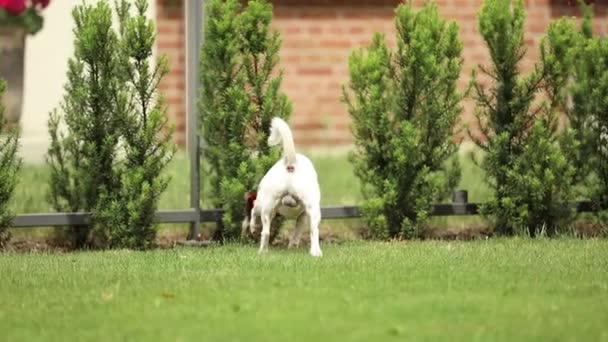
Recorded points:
24,13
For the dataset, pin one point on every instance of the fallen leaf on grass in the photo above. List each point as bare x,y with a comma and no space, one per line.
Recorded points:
168,295
107,296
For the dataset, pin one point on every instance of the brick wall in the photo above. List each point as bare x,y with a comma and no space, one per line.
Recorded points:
318,36
171,42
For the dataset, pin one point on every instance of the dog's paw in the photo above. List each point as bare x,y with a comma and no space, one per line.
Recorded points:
316,252
294,242
263,251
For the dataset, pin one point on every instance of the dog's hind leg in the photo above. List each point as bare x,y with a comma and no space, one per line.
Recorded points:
266,219
301,222
315,219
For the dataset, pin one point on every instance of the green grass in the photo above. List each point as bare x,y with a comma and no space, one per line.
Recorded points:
494,290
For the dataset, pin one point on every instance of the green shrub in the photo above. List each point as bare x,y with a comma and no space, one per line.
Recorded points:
130,215
9,167
240,94
589,112
404,106
83,160
526,160
109,159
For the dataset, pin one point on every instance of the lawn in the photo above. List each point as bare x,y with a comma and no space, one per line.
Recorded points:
490,290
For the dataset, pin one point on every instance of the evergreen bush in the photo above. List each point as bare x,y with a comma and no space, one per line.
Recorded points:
130,215
109,157
10,164
526,161
240,94
589,112
404,107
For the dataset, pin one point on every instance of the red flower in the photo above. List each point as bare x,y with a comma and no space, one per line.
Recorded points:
14,7
42,3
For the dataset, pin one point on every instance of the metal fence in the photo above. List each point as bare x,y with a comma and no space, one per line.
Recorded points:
195,216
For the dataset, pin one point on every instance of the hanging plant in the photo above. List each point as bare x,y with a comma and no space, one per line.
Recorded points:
22,13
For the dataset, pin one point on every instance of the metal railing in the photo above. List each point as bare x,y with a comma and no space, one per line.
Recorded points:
196,216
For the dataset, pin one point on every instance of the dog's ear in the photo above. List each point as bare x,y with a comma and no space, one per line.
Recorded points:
249,200
250,196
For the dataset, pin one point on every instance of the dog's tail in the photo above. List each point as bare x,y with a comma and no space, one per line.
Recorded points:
281,134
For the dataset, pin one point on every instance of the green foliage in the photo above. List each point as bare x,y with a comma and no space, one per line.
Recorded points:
560,53
110,157
527,162
576,84
404,107
83,159
589,112
538,183
130,217
240,94
10,164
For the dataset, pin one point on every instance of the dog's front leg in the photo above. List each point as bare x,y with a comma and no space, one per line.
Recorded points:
315,219
254,223
266,219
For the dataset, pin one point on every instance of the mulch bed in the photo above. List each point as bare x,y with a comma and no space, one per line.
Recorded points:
165,241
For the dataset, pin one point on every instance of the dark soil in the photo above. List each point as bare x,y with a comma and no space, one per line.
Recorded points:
164,241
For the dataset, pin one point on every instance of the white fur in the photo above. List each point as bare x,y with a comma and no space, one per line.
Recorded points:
279,183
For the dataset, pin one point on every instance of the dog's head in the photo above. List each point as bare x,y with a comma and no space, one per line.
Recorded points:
249,202
255,231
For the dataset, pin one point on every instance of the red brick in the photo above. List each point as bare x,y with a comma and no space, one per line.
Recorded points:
336,43
169,28
292,59
309,125
357,30
171,44
337,29
293,30
539,26
599,27
461,3
176,70
316,13
173,100
366,13
171,14
564,10
298,43
329,99
315,30
311,58
314,71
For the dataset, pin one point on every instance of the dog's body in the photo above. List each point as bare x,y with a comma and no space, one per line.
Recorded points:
290,189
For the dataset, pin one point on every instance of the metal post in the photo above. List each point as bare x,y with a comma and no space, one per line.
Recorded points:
460,197
193,13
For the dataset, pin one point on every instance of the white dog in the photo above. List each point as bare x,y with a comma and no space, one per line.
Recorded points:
290,189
